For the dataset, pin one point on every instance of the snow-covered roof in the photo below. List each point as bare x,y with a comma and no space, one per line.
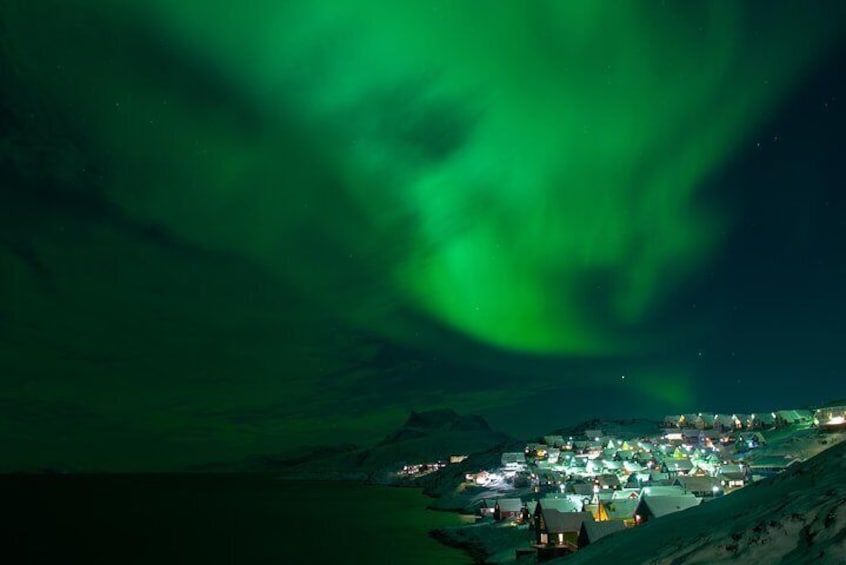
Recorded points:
561,504
513,457
565,522
621,509
594,531
660,506
510,504
698,484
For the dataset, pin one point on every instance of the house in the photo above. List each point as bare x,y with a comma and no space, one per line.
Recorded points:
692,435
676,467
697,421
831,416
763,420
622,510
554,441
535,450
582,489
513,460
750,440
731,476
624,493
611,466
607,481
508,508
690,420
662,490
546,478
559,528
632,467
637,480
723,422
652,507
656,478
564,504
487,507
792,417
700,486
603,496
708,437
740,420
591,532
770,465
673,421
624,455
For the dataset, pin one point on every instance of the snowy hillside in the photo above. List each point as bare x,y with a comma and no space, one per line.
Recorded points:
796,517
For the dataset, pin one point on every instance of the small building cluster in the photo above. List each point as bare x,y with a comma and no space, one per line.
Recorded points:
831,416
572,491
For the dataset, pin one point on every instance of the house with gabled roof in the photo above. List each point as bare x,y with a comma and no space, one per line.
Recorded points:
761,420
591,532
731,475
700,486
582,489
770,465
658,478
631,467
723,422
487,507
673,421
793,417
662,490
632,493
831,416
513,460
611,466
562,503
580,445
559,528
508,508
554,440
607,481
624,455
619,510
676,467
652,507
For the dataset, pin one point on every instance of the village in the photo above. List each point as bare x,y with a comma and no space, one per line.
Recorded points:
566,492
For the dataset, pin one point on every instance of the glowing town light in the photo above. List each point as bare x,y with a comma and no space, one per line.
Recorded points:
835,420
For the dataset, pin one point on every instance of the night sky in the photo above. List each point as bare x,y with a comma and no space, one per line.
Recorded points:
231,230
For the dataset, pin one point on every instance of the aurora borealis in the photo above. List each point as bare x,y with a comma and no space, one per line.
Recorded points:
229,230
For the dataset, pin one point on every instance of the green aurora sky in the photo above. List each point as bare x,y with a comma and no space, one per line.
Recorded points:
233,230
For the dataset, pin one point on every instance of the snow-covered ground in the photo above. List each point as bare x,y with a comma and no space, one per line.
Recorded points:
796,517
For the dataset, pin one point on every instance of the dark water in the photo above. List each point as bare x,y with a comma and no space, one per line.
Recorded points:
217,519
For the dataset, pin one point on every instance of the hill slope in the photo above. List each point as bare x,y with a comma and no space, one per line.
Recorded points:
796,517
424,437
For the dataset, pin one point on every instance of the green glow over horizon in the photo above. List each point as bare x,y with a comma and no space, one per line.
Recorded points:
589,134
